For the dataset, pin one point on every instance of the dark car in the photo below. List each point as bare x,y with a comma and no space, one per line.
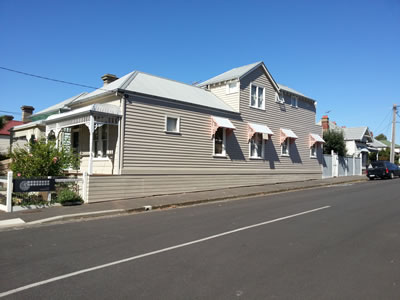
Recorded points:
382,169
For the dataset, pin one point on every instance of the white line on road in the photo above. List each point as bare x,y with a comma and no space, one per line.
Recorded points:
39,283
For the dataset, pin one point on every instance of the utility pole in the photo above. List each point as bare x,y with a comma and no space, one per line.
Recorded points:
392,148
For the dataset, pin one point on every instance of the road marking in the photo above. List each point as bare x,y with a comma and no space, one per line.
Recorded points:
39,283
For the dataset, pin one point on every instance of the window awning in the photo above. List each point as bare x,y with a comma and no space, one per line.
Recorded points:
217,122
287,133
315,138
253,128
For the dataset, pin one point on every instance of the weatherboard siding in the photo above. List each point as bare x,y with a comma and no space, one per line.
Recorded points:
231,99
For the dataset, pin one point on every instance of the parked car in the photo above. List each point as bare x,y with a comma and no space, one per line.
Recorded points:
382,169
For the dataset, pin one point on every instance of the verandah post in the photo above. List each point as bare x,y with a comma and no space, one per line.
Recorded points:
9,191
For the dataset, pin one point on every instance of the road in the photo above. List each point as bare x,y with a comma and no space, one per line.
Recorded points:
339,242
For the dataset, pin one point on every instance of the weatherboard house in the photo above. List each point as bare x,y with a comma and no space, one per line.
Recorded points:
143,135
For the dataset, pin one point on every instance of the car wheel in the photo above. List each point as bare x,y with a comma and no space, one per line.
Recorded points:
371,178
391,175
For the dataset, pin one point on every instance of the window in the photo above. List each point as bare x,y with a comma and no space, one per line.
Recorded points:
294,101
100,141
219,142
313,150
75,141
279,98
257,146
172,124
257,97
285,147
232,87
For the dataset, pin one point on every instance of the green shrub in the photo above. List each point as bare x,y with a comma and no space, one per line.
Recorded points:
68,197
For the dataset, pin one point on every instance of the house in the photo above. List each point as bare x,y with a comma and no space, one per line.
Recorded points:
5,133
148,135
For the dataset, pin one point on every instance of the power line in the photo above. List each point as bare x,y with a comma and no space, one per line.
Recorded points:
10,112
52,79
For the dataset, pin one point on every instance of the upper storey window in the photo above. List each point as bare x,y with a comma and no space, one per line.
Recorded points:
257,97
232,87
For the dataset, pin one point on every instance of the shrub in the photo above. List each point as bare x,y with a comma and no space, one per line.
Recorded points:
67,197
334,140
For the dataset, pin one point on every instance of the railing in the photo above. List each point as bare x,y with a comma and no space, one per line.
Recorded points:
8,182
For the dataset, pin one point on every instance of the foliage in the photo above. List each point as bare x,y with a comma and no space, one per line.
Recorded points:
381,137
67,197
2,122
42,159
334,140
383,155
26,199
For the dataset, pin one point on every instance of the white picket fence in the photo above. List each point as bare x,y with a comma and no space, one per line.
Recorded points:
337,166
9,188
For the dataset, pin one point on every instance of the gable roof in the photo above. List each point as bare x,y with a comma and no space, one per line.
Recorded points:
355,133
290,90
238,73
377,144
389,143
147,84
8,126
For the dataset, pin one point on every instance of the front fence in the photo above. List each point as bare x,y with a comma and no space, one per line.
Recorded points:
7,187
337,166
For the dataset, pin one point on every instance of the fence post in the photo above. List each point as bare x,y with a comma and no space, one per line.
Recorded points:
9,191
85,186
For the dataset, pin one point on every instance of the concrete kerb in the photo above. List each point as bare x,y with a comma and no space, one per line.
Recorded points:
177,204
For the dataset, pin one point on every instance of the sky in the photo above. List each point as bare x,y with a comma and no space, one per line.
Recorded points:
344,54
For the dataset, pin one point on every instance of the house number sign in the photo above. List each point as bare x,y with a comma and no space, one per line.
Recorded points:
33,185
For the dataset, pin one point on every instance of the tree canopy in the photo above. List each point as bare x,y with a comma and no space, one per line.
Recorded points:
334,140
381,137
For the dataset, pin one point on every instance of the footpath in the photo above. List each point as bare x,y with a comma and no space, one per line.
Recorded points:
63,213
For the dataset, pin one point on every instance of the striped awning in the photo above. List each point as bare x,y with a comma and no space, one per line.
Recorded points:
253,128
287,134
315,138
217,122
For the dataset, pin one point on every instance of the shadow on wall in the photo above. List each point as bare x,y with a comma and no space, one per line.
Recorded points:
270,153
320,157
294,154
233,148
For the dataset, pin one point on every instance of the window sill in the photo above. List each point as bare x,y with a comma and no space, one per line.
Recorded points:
263,109
294,106
285,155
314,157
220,156
256,158
101,158
173,132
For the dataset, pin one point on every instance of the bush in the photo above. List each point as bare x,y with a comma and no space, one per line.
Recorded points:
334,140
68,197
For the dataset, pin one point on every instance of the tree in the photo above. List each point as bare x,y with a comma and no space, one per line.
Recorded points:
2,122
381,137
42,159
334,140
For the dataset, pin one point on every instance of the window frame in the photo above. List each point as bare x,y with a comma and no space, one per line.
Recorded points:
232,91
294,99
315,146
262,146
286,141
99,141
178,124
223,154
257,89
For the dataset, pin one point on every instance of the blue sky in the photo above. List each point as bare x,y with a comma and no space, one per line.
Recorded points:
345,54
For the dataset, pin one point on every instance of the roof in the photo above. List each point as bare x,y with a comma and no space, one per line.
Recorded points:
143,83
103,108
29,125
57,107
238,73
355,133
377,144
389,143
8,126
290,90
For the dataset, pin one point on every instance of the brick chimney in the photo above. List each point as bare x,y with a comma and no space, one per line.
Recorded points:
8,118
325,123
108,78
26,113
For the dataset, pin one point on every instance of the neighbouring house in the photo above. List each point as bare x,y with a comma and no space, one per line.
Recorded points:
5,133
143,135
388,144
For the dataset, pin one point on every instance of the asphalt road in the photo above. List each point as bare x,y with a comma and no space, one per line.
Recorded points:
340,242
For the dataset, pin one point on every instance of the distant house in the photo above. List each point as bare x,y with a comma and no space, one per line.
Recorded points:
148,135
5,133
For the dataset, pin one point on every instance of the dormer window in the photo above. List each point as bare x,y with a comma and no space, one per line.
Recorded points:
294,101
232,87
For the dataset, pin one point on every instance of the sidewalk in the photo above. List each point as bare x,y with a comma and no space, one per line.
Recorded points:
57,213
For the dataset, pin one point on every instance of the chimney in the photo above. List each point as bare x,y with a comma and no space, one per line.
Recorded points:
325,123
8,118
26,113
108,78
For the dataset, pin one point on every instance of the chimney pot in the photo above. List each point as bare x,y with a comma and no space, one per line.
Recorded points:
108,78
8,118
26,113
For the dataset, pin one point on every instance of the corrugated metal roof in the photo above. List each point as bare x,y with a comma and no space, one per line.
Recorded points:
161,87
29,125
355,133
231,74
223,122
290,90
317,138
377,144
261,128
8,125
60,105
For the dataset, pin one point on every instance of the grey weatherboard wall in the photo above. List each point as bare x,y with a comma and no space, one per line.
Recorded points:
156,162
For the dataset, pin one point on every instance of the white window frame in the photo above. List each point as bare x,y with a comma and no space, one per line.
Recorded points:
287,142
178,124
279,98
73,140
315,146
223,154
262,146
256,104
100,143
295,100
230,90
